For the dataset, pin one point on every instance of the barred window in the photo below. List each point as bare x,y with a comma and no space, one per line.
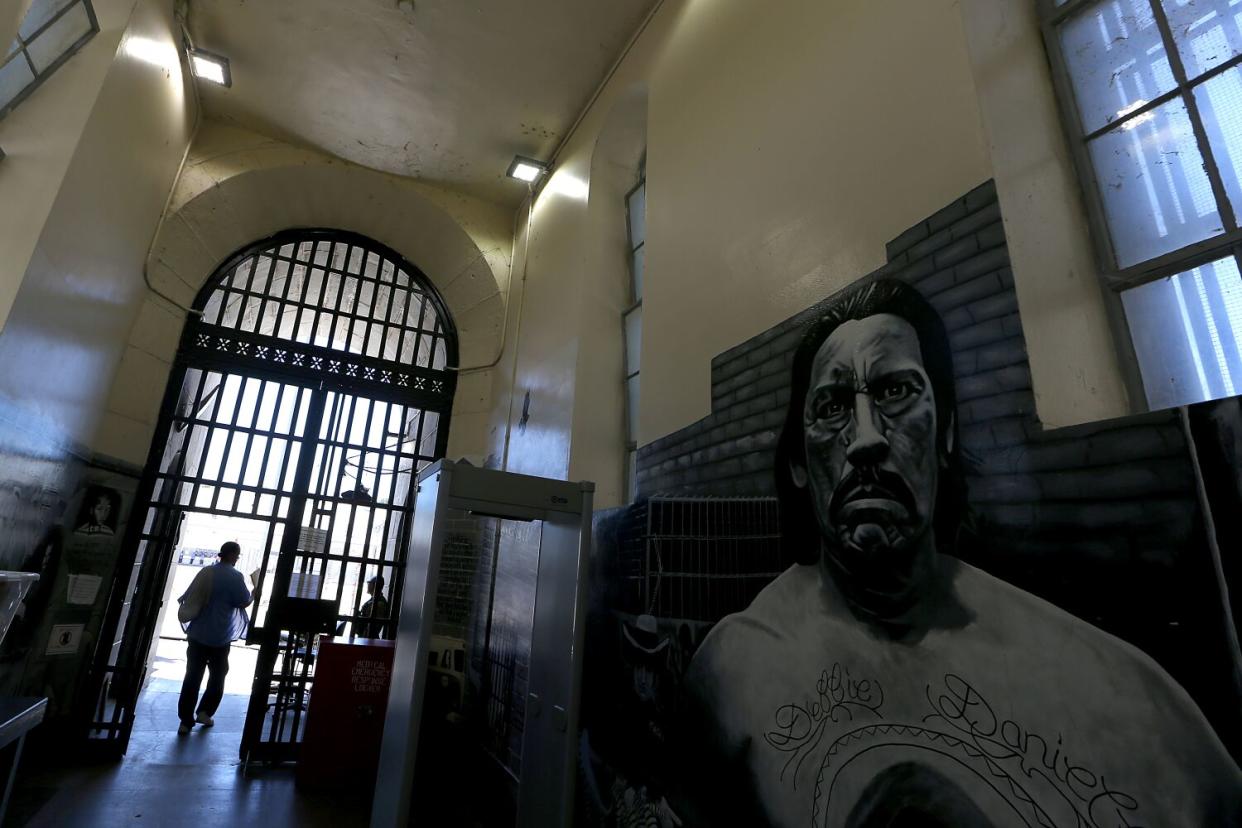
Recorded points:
632,319
1151,91
50,33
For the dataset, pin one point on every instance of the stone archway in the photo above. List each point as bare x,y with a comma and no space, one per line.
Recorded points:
237,187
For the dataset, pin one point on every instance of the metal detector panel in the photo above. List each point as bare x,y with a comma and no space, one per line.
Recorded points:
531,587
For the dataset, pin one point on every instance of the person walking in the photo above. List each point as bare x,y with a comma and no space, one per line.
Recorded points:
213,615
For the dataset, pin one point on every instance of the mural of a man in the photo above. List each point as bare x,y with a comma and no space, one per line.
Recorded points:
881,683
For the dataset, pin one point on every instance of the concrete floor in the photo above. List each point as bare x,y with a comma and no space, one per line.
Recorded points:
171,780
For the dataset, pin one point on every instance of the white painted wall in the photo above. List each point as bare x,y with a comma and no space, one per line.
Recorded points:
12,12
788,142
93,155
1074,364
41,134
563,342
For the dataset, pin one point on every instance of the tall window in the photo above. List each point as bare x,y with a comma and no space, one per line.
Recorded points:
636,219
1152,93
48,36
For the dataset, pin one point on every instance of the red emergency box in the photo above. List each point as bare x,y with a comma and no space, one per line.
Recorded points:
345,716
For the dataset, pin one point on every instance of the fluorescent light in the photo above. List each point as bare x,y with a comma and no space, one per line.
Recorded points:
526,172
526,169
211,67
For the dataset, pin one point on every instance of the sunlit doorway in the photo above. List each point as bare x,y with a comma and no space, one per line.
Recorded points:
201,537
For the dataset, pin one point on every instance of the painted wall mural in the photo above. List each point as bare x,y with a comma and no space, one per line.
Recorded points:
896,626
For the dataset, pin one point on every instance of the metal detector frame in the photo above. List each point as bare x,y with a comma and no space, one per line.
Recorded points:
549,745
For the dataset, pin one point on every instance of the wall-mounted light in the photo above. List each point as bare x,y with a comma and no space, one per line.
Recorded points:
211,67
527,169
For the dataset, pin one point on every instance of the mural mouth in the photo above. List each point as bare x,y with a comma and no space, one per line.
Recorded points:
875,495
876,508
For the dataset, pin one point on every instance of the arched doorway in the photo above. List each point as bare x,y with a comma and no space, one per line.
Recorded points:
303,401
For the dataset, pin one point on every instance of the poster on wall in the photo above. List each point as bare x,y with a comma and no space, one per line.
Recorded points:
80,570
959,629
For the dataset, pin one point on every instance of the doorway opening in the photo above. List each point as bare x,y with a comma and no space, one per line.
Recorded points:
302,404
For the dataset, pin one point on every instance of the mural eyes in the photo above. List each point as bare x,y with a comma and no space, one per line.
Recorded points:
832,406
895,395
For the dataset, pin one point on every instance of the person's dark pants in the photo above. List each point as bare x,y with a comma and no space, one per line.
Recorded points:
201,657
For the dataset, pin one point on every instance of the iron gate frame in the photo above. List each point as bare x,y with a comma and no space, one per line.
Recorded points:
317,369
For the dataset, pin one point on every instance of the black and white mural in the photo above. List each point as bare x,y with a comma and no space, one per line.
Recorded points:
900,629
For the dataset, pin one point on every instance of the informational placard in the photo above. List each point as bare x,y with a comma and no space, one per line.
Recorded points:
65,639
83,589
312,540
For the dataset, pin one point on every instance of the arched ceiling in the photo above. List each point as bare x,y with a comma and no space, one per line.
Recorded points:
447,91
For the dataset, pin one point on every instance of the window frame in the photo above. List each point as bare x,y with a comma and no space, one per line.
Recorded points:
22,52
635,304
1117,278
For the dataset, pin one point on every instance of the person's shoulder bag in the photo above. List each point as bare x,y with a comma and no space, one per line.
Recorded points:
195,599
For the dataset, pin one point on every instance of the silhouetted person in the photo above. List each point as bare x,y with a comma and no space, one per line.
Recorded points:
375,610
220,592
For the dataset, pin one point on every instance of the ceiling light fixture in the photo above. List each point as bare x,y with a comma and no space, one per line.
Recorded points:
527,169
211,67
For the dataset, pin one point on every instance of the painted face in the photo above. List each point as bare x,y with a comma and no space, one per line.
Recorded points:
870,433
101,510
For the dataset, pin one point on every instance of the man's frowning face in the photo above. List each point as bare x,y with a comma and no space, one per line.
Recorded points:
870,433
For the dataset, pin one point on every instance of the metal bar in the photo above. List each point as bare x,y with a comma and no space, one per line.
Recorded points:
1223,205
211,430
1112,126
304,300
270,435
1178,261
116,596
370,316
1089,187
228,439
338,314
285,305
268,297
269,647
310,378
375,501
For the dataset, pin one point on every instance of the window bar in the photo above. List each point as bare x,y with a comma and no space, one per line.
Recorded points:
352,314
418,334
340,295
353,506
265,296
200,473
385,326
1223,204
285,302
221,478
271,436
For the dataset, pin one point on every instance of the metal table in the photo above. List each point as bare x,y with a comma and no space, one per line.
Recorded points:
18,716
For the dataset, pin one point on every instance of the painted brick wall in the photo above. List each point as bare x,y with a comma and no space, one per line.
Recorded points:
1118,489
1101,519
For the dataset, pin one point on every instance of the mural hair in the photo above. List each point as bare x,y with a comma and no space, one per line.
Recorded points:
800,532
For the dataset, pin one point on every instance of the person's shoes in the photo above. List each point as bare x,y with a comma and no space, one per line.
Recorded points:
204,720
184,729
